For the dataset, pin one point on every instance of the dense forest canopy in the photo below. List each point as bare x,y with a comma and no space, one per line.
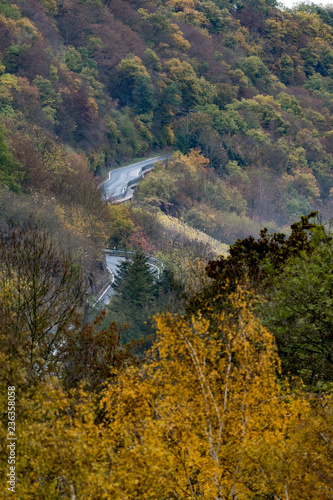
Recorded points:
213,378
86,84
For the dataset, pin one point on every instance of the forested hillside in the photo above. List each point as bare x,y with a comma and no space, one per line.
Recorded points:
89,83
211,379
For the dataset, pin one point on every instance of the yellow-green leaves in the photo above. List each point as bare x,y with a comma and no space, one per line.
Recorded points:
208,418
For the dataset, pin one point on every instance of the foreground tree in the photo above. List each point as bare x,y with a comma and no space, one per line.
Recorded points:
256,261
42,290
299,313
208,418
94,355
292,277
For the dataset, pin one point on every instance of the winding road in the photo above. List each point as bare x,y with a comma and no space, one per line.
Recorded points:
121,181
119,188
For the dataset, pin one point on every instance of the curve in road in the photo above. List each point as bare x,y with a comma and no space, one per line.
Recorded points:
119,186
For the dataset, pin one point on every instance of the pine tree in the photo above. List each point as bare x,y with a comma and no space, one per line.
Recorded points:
135,282
122,269
135,296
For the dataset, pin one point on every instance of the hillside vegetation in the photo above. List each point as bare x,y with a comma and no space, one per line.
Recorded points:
86,84
211,380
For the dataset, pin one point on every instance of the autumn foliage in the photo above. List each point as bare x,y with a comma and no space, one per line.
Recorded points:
246,83
207,416
212,380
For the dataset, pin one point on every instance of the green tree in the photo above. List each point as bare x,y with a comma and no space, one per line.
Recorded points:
255,69
300,314
139,294
135,295
142,94
152,60
73,60
193,90
134,84
294,282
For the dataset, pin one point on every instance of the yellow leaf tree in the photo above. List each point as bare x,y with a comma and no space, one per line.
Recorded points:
209,418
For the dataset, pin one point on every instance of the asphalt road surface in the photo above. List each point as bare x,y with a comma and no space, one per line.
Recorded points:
112,262
117,188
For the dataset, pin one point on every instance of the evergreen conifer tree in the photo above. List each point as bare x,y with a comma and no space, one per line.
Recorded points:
122,269
135,296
